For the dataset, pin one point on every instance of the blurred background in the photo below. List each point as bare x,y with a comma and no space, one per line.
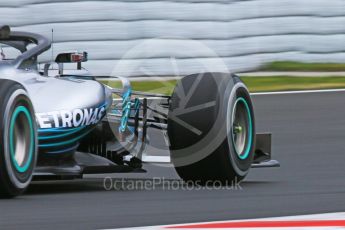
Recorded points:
244,34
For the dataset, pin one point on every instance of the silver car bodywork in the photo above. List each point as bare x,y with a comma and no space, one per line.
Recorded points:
73,134
62,105
74,139
57,94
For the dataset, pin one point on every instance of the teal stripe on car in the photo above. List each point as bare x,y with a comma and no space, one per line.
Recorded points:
65,134
60,130
68,142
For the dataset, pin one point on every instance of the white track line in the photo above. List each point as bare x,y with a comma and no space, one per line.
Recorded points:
275,93
292,74
299,92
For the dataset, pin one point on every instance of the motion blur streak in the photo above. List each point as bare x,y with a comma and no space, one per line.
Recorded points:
243,33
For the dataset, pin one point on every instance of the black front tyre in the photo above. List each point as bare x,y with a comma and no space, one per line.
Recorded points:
18,140
211,129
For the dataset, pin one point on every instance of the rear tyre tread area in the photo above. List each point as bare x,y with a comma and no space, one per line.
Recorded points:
220,162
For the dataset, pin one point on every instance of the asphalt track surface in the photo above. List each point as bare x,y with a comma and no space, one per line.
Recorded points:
309,142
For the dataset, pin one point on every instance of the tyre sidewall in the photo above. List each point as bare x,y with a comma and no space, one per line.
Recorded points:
240,166
14,181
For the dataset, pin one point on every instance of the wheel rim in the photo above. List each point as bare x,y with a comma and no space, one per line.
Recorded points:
21,139
242,129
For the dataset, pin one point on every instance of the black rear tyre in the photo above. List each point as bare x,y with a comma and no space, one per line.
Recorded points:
211,128
18,140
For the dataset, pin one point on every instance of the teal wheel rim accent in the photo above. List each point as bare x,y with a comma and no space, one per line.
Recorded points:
244,129
21,110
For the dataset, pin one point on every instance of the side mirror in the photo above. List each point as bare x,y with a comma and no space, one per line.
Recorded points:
75,57
71,57
4,32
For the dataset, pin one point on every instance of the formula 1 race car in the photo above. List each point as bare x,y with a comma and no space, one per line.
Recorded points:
69,124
